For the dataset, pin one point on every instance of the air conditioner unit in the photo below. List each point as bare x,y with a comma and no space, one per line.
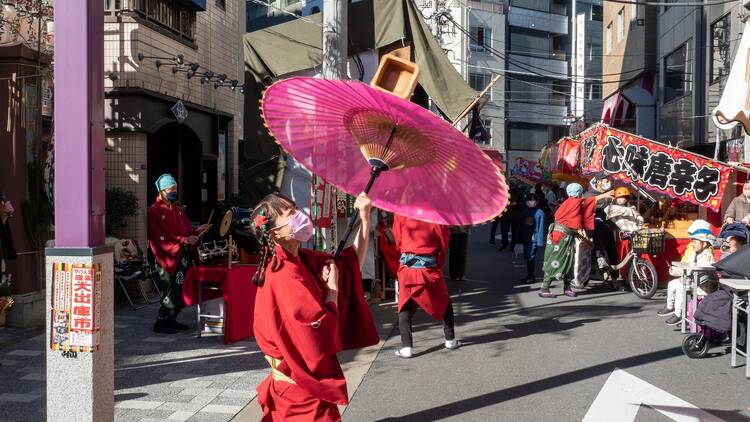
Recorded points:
641,22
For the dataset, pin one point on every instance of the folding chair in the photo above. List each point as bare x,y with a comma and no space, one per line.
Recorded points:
136,271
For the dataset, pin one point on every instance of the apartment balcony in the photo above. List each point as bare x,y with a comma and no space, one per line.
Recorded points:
540,113
540,21
538,65
487,6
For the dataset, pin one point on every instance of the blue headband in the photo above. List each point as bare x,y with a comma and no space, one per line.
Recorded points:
165,181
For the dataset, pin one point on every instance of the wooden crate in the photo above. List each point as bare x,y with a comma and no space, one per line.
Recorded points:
396,76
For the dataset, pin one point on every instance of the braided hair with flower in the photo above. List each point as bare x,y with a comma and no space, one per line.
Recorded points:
263,217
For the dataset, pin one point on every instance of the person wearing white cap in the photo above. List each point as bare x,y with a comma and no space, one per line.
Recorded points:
698,252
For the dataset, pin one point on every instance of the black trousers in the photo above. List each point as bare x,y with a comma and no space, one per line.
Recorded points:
405,327
457,248
493,229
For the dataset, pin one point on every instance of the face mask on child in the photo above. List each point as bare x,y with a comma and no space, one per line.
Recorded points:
531,204
301,225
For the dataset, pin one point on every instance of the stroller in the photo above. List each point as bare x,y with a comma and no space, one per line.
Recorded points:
714,313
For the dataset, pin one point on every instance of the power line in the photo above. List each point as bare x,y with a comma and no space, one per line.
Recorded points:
532,71
286,12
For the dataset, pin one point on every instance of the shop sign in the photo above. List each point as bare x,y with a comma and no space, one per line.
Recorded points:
526,168
653,166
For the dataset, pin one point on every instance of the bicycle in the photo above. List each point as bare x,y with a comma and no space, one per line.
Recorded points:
642,276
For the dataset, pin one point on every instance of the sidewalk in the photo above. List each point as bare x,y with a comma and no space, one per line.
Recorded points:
157,377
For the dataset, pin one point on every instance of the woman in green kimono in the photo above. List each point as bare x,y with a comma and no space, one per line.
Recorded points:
574,216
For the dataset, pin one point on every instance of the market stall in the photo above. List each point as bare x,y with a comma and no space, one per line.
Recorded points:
673,185
560,162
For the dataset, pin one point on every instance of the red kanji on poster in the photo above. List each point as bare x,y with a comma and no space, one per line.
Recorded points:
653,166
83,303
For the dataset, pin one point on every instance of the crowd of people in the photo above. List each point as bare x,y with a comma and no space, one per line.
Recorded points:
571,227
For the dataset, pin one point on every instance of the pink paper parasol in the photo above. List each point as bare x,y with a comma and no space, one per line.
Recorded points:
350,134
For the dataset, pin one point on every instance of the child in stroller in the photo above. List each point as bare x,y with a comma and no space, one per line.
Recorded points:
714,313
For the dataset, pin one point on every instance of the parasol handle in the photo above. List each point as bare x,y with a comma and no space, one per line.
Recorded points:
376,170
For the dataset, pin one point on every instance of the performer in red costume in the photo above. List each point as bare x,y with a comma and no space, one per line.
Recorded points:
170,236
423,248
307,309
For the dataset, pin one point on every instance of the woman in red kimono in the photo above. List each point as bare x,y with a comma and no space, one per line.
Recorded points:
423,248
307,309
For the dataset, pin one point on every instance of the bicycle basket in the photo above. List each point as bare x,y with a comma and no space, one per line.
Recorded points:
648,241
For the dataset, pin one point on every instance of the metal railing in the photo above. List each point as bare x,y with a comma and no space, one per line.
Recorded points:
166,14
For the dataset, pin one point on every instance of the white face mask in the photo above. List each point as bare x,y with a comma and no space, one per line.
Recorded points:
605,185
531,204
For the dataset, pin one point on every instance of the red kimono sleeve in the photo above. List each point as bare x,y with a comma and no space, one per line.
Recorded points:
356,326
312,327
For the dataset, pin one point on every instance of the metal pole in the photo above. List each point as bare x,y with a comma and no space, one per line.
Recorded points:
335,22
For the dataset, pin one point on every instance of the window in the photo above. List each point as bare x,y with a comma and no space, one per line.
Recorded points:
529,41
528,90
609,37
481,39
593,91
527,136
255,11
720,51
222,4
479,81
540,5
596,13
677,73
621,25
169,14
633,15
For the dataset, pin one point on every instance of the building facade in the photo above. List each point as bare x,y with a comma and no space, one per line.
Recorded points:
472,36
666,68
174,104
553,71
630,68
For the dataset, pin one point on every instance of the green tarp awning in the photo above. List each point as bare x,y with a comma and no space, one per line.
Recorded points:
296,45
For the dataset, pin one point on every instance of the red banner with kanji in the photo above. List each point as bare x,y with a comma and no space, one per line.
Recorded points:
321,205
653,166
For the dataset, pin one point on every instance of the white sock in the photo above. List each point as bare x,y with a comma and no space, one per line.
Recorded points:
404,352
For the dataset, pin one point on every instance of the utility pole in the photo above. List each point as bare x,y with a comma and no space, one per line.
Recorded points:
335,37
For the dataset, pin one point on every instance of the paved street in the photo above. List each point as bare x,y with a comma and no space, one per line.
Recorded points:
533,359
524,359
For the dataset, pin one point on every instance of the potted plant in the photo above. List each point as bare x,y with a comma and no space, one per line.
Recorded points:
120,204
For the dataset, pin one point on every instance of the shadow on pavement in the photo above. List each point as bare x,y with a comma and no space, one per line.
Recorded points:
727,415
489,399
